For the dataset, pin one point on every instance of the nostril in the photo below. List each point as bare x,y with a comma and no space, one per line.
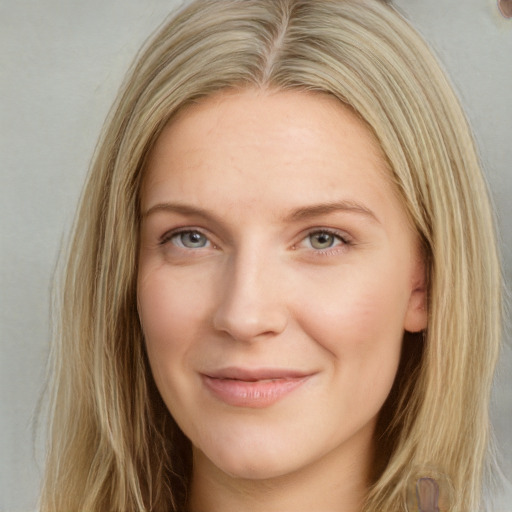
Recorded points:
505,7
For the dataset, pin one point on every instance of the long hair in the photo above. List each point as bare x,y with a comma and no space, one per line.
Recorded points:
113,445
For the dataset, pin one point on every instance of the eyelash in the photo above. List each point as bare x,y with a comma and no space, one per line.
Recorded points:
167,237
329,251
340,236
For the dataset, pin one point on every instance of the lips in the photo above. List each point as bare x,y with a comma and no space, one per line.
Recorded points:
253,388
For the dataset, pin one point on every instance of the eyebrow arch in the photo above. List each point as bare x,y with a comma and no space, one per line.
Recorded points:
299,214
177,208
332,207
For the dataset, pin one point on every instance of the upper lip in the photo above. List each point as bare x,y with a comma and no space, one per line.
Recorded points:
255,374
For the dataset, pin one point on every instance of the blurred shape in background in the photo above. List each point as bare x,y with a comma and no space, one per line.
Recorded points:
505,7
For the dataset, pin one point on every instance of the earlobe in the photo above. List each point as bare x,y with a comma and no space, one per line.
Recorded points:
416,318
417,314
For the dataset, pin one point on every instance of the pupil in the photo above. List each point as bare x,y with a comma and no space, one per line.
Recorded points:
322,240
194,239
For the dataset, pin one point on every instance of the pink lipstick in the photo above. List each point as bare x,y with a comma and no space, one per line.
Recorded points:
253,388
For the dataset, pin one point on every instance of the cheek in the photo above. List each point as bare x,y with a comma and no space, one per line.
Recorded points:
361,325
169,306
359,309
172,316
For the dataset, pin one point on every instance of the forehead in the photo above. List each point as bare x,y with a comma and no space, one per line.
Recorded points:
287,145
283,114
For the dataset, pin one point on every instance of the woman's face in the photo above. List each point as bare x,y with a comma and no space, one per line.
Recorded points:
277,275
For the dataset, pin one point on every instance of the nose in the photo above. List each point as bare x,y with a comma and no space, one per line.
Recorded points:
252,304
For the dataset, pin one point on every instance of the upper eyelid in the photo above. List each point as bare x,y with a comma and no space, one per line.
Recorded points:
184,218
185,229
343,235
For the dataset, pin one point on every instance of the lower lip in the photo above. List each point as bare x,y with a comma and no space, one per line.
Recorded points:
256,395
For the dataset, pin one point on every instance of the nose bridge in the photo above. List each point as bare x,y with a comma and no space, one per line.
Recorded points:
251,304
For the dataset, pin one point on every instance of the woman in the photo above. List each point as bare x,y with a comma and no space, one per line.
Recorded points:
283,290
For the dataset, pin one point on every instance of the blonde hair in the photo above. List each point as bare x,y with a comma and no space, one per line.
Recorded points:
113,445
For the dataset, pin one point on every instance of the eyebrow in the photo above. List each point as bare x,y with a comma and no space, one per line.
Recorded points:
299,214
177,208
332,207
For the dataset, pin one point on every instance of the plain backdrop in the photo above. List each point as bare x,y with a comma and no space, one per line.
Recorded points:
61,62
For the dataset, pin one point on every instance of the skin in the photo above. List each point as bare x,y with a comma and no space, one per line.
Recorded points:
260,284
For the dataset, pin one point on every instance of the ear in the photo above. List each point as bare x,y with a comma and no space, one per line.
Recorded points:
416,317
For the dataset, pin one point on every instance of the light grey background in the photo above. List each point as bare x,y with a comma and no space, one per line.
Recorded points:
61,62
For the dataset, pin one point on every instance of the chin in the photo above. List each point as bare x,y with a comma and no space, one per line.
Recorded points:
252,464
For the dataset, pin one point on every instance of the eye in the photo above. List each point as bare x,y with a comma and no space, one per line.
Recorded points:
323,240
189,240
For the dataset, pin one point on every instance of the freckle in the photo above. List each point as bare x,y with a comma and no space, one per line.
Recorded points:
505,8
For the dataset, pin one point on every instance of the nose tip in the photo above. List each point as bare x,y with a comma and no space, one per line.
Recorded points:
249,320
251,307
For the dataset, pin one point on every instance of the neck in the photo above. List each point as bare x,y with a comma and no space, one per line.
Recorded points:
336,483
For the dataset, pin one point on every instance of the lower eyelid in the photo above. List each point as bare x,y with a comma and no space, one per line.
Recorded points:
332,251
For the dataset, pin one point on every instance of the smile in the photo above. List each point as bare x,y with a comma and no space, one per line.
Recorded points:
253,388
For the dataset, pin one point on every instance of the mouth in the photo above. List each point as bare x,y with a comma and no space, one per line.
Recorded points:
253,388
